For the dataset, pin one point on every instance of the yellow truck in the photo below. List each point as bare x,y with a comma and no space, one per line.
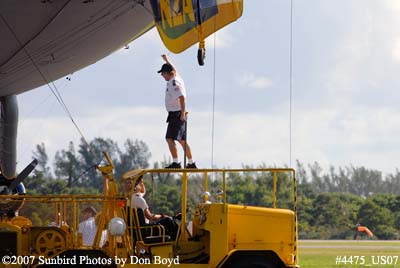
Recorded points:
212,234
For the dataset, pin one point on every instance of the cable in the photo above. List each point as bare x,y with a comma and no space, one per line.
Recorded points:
83,173
75,35
30,40
55,90
35,133
290,82
213,104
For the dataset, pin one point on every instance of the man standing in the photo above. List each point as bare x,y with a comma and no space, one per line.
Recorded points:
175,103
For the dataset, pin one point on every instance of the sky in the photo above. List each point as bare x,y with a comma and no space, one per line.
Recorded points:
344,97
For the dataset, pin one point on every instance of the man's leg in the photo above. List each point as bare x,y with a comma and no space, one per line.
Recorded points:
172,148
172,132
188,150
190,164
174,153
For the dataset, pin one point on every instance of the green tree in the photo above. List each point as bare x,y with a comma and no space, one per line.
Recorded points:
136,155
365,182
316,177
41,156
90,156
389,201
392,183
301,173
36,182
335,214
67,164
377,219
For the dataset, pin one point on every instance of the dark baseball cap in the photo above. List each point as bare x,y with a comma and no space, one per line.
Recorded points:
166,67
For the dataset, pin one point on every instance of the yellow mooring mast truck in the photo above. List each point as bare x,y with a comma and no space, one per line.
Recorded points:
211,232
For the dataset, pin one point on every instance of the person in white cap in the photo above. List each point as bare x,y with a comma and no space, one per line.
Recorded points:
175,103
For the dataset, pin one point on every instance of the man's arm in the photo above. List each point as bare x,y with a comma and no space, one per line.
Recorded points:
182,101
142,188
152,217
167,60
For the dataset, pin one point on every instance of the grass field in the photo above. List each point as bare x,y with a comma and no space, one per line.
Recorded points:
349,253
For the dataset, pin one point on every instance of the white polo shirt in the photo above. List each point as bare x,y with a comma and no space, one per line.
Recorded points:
175,89
88,230
139,202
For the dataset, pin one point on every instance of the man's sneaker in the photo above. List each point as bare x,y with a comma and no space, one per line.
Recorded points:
174,165
193,165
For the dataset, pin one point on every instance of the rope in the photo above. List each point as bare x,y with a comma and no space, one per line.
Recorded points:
290,82
295,249
83,173
23,46
213,104
39,127
54,90
74,36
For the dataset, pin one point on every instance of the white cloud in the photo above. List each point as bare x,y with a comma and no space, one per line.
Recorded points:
396,49
143,123
339,51
358,135
393,4
223,39
250,80
362,136
233,134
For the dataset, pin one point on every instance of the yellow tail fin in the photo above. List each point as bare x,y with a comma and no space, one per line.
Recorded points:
183,23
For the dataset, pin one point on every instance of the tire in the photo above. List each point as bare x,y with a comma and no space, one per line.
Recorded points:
201,56
253,262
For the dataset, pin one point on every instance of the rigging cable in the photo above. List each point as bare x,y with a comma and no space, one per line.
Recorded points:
75,35
213,103
290,82
23,46
45,115
53,90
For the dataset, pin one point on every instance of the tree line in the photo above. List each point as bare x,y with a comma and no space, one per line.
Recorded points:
329,204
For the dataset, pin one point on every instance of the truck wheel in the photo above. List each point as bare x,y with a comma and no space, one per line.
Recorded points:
253,262
201,56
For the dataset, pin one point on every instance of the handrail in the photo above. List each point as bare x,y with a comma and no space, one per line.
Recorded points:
134,174
191,170
109,208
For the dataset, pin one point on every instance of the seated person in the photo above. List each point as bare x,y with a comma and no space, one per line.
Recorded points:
128,190
171,227
88,226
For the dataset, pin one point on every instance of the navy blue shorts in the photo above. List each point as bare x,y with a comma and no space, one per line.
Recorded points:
176,127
